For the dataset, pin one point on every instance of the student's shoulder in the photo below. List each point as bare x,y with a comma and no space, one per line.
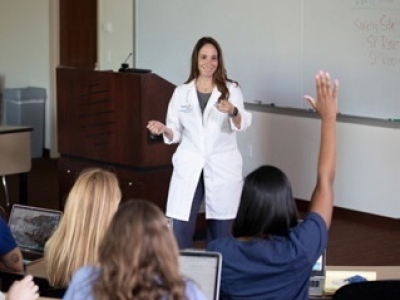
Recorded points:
315,219
3,225
2,222
86,272
311,234
221,243
81,284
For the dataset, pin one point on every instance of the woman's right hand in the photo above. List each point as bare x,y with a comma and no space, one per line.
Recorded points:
156,127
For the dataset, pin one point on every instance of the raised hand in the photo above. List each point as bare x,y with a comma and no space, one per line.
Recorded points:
326,102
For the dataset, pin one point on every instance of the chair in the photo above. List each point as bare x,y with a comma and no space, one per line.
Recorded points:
369,290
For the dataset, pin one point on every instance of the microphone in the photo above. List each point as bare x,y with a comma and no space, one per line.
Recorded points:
125,65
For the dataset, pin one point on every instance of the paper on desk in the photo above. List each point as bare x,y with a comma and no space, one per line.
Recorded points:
336,279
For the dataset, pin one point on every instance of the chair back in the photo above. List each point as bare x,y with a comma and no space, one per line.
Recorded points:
369,290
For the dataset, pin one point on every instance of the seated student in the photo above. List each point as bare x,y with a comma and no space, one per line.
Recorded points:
138,259
271,254
24,289
90,206
10,255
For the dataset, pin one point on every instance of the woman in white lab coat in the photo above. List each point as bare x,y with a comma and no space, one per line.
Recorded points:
203,116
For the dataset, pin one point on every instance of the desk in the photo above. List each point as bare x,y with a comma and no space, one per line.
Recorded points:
382,273
37,269
15,157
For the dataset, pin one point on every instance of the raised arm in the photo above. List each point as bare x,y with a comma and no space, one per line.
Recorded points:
326,106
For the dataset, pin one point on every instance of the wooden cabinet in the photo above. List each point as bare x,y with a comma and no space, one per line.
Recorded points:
102,118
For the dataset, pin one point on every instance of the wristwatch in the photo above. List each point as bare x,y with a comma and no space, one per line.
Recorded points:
235,112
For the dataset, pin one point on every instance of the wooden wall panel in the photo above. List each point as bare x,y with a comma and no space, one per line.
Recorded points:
78,33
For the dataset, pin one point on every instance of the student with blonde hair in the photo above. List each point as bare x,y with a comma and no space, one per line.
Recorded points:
138,259
90,206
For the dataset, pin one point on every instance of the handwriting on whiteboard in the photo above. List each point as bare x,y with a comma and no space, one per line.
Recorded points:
378,23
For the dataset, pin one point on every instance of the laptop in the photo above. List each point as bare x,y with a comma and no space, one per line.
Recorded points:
31,228
204,268
318,275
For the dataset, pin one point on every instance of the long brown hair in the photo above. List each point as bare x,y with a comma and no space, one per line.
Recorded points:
220,76
90,206
139,256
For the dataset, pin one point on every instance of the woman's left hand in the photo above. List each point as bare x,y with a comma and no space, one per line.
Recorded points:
225,106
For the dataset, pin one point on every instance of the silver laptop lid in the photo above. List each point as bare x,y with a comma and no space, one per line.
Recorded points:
204,268
319,267
33,226
317,279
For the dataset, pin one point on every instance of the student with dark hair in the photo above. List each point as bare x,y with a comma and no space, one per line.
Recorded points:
138,259
271,254
204,115
276,209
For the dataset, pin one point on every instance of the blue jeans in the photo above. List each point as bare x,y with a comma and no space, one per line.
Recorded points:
184,230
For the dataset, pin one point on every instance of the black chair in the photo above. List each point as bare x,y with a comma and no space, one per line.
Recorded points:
369,290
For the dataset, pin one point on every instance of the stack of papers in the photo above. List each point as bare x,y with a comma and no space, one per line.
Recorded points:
336,279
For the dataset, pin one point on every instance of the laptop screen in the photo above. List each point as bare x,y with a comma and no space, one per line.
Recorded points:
319,267
204,268
33,226
317,279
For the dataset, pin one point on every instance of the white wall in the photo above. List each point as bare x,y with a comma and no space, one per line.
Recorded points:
368,168
29,47
273,48
25,48
115,34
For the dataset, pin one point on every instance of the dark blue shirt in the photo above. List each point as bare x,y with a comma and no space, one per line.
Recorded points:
274,268
7,241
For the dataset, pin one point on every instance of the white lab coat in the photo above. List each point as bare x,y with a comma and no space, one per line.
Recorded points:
206,142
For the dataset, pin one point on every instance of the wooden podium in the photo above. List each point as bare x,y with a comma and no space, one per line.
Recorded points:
102,118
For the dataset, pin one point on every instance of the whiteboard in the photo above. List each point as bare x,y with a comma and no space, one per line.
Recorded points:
274,48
